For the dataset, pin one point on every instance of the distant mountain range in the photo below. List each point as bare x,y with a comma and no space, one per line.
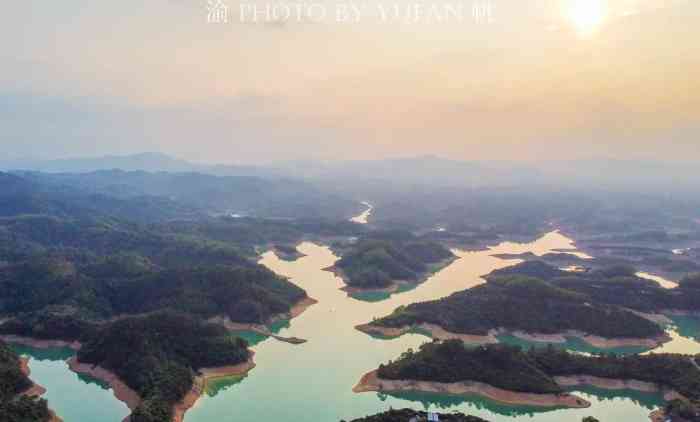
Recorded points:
147,161
417,171
156,196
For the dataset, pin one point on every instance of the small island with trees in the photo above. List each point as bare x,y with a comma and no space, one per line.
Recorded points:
386,260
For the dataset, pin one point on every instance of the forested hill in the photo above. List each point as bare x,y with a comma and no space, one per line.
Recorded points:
81,246
130,286
21,195
615,285
526,304
382,258
158,355
534,371
199,193
13,382
63,266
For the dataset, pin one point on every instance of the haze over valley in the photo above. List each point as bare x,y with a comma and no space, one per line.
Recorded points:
471,211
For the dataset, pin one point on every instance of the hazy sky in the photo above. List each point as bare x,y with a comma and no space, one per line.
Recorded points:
531,79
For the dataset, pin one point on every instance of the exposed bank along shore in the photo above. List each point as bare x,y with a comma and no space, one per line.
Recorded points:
440,333
395,285
35,390
294,312
371,382
131,398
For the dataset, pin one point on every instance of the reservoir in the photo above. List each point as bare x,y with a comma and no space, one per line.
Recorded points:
73,397
312,382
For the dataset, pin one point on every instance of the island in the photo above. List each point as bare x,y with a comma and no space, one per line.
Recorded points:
386,260
286,252
525,307
536,377
19,396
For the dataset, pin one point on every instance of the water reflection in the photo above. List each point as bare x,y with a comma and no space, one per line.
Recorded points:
573,344
74,398
312,382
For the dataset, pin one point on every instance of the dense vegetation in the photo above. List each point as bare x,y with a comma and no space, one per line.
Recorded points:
501,366
131,264
533,371
405,415
184,195
615,285
157,356
13,382
526,304
380,259
130,284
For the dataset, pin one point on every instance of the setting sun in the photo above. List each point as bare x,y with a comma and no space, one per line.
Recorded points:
587,15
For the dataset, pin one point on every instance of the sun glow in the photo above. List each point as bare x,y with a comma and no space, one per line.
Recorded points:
587,15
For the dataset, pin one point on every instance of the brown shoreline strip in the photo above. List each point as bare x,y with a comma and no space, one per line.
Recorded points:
440,333
132,399
371,382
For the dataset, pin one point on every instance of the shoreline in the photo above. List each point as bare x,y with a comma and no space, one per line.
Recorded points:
370,382
435,332
395,285
284,255
296,310
679,312
131,398
440,333
200,382
35,390
40,343
658,415
595,341
121,391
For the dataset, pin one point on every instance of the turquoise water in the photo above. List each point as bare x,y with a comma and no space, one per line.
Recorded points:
73,397
313,382
573,344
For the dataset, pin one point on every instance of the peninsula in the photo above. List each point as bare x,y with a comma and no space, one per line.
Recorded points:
538,377
523,306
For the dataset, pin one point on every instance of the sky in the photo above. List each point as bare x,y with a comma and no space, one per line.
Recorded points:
342,79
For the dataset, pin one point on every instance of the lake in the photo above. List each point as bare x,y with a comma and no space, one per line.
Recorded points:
313,382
